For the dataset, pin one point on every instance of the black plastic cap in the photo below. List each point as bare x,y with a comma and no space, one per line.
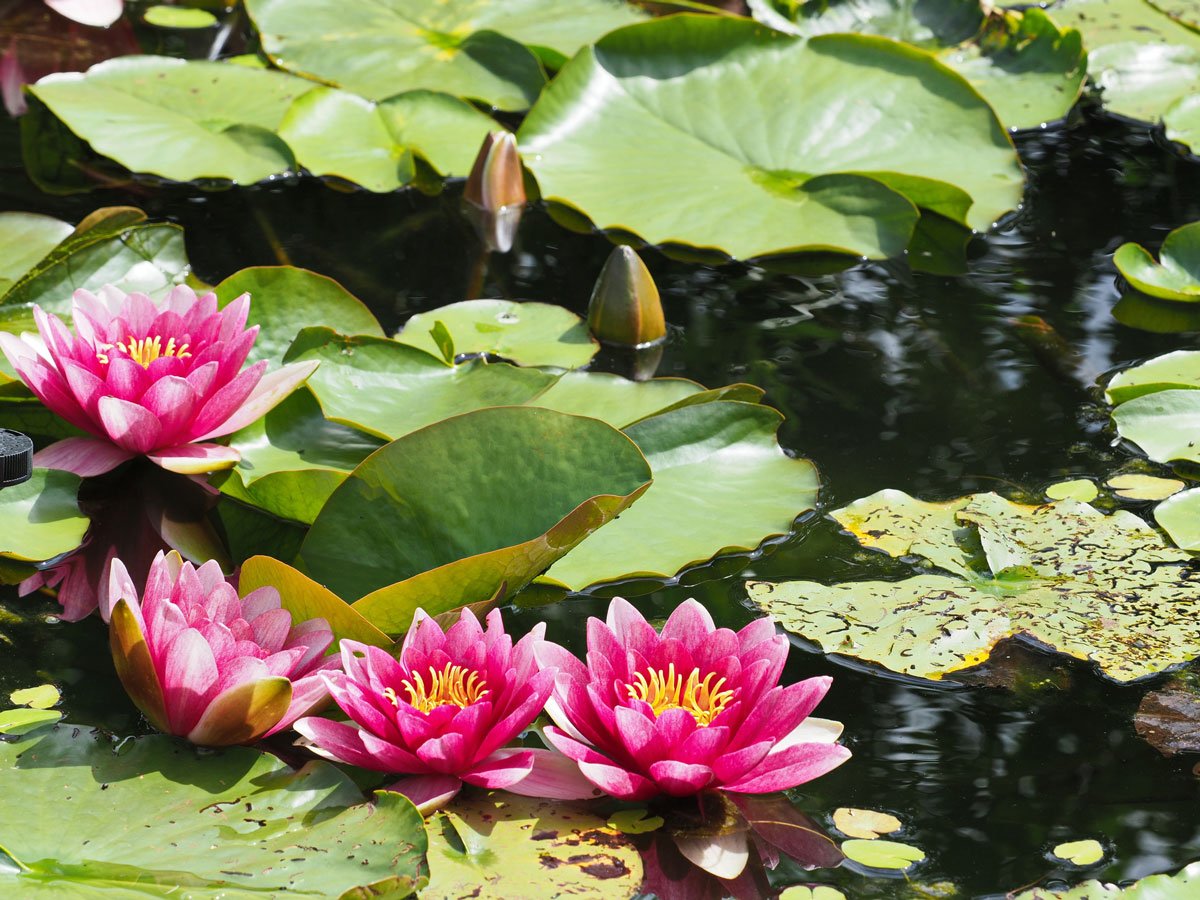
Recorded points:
16,458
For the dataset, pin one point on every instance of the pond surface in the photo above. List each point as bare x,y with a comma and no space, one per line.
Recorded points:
888,378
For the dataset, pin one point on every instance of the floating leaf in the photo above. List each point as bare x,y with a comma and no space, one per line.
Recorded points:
285,300
722,484
1101,588
1165,424
619,401
44,696
1182,121
23,721
878,854
25,238
1180,518
238,823
390,389
1083,489
811,892
336,133
635,821
1135,486
1180,886
1169,718
427,519
725,160
1176,275
867,824
1080,853
193,119
1177,370
501,849
179,17
40,518
528,334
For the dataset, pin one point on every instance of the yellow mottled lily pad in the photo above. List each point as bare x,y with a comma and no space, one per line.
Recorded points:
1080,853
864,823
1076,489
1133,486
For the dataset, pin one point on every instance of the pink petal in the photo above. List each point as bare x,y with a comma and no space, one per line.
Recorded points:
502,769
120,587
619,783
790,767
195,459
173,400
690,624
269,393
242,713
129,425
428,792
308,695
12,82
85,456
97,13
188,678
681,779
226,401
340,742
555,777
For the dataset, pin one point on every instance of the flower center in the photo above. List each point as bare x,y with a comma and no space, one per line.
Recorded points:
669,690
145,351
452,686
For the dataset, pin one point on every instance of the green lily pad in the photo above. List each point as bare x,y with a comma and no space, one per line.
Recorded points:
1165,424
1179,516
619,401
285,300
293,458
428,520
635,821
1025,66
1182,122
40,518
336,133
811,892
390,389
1080,853
528,334
499,849
1180,886
380,49
1102,588
1136,486
1176,276
179,17
234,824
727,161
722,484
23,721
43,696
879,854
193,119
1179,370
1083,489
25,238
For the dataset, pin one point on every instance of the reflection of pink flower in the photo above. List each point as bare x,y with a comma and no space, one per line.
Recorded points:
160,382
443,712
203,664
697,707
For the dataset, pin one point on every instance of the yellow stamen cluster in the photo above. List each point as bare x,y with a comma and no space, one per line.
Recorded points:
145,351
669,690
453,686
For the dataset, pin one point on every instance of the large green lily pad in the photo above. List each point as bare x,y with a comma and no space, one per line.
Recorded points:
1179,516
688,116
504,847
722,484
448,514
1102,588
621,402
153,817
380,49
191,119
389,389
1178,370
1025,66
529,334
1165,424
40,518
1183,885
285,300
375,145
25,238
1182,121
1176,275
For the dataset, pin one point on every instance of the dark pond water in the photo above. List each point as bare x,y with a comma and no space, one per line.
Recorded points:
888,378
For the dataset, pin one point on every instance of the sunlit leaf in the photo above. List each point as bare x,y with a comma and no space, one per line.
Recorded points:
867,824
1180,886
40,518
1083,489
25,238
1136,486
1080,853
880,854
23,721
1179,516
44,696
1176,274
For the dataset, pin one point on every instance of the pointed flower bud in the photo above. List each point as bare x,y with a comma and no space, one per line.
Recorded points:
625,308
494,197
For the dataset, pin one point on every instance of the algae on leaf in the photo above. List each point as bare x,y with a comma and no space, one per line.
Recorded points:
1107,589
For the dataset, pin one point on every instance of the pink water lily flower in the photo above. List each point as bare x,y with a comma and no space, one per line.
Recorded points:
444,711
205,665
694,708
162,382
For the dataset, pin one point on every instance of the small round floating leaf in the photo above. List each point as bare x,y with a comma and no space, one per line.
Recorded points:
1083,489
40,518
44,696
1176,276
25,720
1080,853
866,824
179,17
811,892
1133,486
880,854
1179,516
528,334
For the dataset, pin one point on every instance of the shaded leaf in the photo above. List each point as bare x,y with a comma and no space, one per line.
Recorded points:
25,238
1169,718
23,721
40,518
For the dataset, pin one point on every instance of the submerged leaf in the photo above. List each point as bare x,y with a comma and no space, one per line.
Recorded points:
1169,718
1100,588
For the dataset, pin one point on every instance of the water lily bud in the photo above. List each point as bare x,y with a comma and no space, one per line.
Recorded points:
494,197
625,308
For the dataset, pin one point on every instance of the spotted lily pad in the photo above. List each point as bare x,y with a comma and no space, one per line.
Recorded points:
501,847
879,854
1101,588
1176,274
727,161
238,823
1080,853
